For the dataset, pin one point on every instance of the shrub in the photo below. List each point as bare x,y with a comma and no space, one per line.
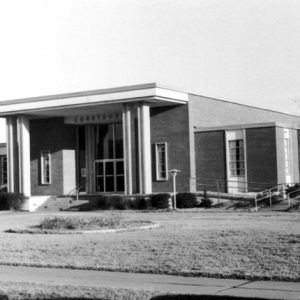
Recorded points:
132,202
103,202
11,201
206,202
71,223
186,200
293,190
160,200
117,202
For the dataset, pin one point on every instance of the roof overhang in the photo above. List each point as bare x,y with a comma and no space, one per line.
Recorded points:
245,126
152,93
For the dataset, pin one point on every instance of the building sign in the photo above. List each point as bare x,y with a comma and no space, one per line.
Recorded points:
100,118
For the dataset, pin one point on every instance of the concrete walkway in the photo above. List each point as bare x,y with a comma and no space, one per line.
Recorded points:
164,283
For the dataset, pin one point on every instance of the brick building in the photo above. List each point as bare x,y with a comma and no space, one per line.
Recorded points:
126,140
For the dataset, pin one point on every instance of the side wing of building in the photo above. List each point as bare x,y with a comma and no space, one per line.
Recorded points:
241,148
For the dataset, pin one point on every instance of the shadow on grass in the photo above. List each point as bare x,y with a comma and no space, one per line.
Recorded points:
201,297
89,206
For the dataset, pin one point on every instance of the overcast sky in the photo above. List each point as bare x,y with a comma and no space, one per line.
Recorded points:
244,51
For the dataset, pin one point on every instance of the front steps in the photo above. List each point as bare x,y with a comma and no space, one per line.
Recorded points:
34,202
60,204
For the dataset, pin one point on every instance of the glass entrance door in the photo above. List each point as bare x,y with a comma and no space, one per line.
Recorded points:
109,175
109,160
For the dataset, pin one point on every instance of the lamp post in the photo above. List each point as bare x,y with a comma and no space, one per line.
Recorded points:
174,174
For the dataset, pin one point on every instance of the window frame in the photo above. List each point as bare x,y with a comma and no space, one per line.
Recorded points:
235,168
3,169
42,158
158,175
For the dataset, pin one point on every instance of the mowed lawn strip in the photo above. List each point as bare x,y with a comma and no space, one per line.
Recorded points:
228,245
29,290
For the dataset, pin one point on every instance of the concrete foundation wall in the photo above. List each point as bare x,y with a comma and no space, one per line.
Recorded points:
53,135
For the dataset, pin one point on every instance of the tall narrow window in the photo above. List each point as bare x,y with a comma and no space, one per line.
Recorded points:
45,167
287,156
236,158
3,170
161,161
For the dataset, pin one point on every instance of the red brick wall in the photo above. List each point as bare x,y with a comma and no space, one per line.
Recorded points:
170,124
210,159
49,134
261,158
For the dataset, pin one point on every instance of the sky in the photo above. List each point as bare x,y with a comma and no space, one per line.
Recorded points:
243,51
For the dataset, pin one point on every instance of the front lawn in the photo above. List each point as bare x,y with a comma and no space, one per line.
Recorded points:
233,245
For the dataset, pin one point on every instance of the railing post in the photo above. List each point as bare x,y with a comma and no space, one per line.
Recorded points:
270,197
218,186
289,200
283,191
255,201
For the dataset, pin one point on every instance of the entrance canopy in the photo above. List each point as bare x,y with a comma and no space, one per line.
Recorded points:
113,121
70,104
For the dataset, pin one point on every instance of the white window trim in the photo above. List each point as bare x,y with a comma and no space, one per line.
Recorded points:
43,182
288,156
236,135
158,178
236,169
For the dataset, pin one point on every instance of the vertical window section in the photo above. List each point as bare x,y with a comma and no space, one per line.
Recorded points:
161,161
3,170
45,167
287,153
236,158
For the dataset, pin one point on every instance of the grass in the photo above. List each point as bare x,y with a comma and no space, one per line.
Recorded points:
228,245
30,291
35,291
79,224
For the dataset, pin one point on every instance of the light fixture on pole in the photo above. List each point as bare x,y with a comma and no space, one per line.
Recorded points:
174,174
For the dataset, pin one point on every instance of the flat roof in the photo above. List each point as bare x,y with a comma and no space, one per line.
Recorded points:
248,125
151,92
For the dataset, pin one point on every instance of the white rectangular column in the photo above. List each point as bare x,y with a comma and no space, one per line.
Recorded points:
11,149
144,142
126,117
24,155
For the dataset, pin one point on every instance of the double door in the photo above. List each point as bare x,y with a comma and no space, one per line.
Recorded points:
109,175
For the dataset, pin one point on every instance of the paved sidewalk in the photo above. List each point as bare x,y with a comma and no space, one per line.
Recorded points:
164,283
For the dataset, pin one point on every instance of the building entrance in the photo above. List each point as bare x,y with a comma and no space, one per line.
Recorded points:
109,158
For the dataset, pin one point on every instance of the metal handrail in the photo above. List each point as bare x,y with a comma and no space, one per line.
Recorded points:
267,194
237,181
288,196
76,190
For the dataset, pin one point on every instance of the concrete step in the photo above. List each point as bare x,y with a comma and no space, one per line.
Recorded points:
55,204
61,204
